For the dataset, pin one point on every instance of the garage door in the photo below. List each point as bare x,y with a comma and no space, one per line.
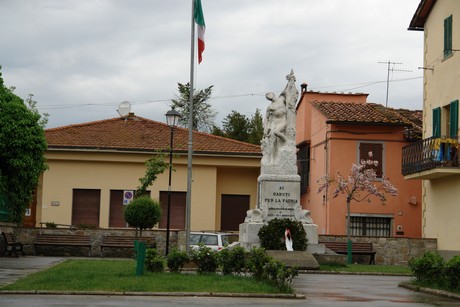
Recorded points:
177,217
233,211
86,206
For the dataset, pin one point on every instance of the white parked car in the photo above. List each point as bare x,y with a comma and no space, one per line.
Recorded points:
214,240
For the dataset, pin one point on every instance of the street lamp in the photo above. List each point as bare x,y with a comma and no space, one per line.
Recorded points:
172,118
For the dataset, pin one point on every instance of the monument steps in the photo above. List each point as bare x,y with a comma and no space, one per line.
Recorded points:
302,259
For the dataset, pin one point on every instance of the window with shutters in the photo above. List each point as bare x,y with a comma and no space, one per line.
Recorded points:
445,120
377,154
303,166
374,226
448,37
437,122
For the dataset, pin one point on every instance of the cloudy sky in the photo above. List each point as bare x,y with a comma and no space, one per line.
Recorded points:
81,59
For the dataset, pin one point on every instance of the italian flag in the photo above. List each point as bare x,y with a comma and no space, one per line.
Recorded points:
199,20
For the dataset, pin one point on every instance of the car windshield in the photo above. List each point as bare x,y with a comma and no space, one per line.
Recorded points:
229,239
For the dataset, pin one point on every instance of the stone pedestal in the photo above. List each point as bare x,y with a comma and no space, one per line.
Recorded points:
249,235
278,197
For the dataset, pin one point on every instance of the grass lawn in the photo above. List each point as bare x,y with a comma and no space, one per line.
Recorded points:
364,268
119,276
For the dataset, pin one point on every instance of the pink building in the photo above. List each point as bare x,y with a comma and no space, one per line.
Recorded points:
335,130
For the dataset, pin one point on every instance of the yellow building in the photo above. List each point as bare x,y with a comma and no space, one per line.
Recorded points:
93,168
435,159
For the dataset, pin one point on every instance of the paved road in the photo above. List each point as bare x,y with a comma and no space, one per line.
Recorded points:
319,289
362,290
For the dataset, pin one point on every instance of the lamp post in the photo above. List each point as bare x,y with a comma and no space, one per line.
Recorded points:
172,118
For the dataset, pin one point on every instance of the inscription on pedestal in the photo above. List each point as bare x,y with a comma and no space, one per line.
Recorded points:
279,199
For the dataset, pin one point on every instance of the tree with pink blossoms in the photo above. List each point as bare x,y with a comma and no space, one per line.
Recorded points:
358,186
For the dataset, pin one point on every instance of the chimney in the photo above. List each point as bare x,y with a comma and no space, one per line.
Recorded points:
303,87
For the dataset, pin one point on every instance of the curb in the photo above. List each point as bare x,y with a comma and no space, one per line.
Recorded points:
353,273
175,294
431,291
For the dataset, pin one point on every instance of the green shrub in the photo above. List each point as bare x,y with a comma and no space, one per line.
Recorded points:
279,275
142,213
429,268
258,258
176,260
452,271
232,261
153,261
86,226
205,259
50,225
272,235
265,268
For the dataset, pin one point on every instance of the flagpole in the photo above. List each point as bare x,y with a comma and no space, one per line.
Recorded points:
190,134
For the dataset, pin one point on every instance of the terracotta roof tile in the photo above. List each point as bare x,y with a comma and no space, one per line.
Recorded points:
135,133
360,113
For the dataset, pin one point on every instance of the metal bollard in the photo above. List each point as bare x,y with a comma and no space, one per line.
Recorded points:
140,249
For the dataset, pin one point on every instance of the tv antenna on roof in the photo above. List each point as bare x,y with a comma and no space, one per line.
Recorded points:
124,108
388,75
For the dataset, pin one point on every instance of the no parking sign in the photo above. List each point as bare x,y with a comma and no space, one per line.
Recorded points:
127,197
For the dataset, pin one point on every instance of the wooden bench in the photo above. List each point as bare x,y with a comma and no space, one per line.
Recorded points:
357,248
109,241
63,240
11,246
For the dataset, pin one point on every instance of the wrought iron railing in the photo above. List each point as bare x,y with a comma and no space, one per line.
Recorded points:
428,154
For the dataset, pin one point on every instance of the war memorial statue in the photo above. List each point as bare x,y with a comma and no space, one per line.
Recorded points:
278,190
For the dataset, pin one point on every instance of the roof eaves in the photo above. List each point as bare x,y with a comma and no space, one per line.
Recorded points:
421,14
363,123
135,150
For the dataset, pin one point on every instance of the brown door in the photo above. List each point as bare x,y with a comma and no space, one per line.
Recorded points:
86,206
177,217
233,211
116,217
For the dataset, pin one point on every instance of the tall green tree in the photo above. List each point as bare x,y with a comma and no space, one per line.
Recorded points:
242,128
256,128
216,130
236,126
203,114
22,151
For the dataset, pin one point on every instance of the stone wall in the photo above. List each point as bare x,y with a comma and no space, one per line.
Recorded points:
389,250
27,237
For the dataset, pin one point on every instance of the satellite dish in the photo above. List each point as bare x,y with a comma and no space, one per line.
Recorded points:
124,108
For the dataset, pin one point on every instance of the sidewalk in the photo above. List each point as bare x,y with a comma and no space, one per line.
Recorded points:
11,269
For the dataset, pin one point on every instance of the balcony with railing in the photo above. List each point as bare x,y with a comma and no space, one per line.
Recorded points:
431,158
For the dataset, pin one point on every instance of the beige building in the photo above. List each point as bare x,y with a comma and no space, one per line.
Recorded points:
435,159
93,168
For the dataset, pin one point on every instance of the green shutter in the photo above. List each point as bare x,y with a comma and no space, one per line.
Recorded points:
437,122
453,127
448,36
